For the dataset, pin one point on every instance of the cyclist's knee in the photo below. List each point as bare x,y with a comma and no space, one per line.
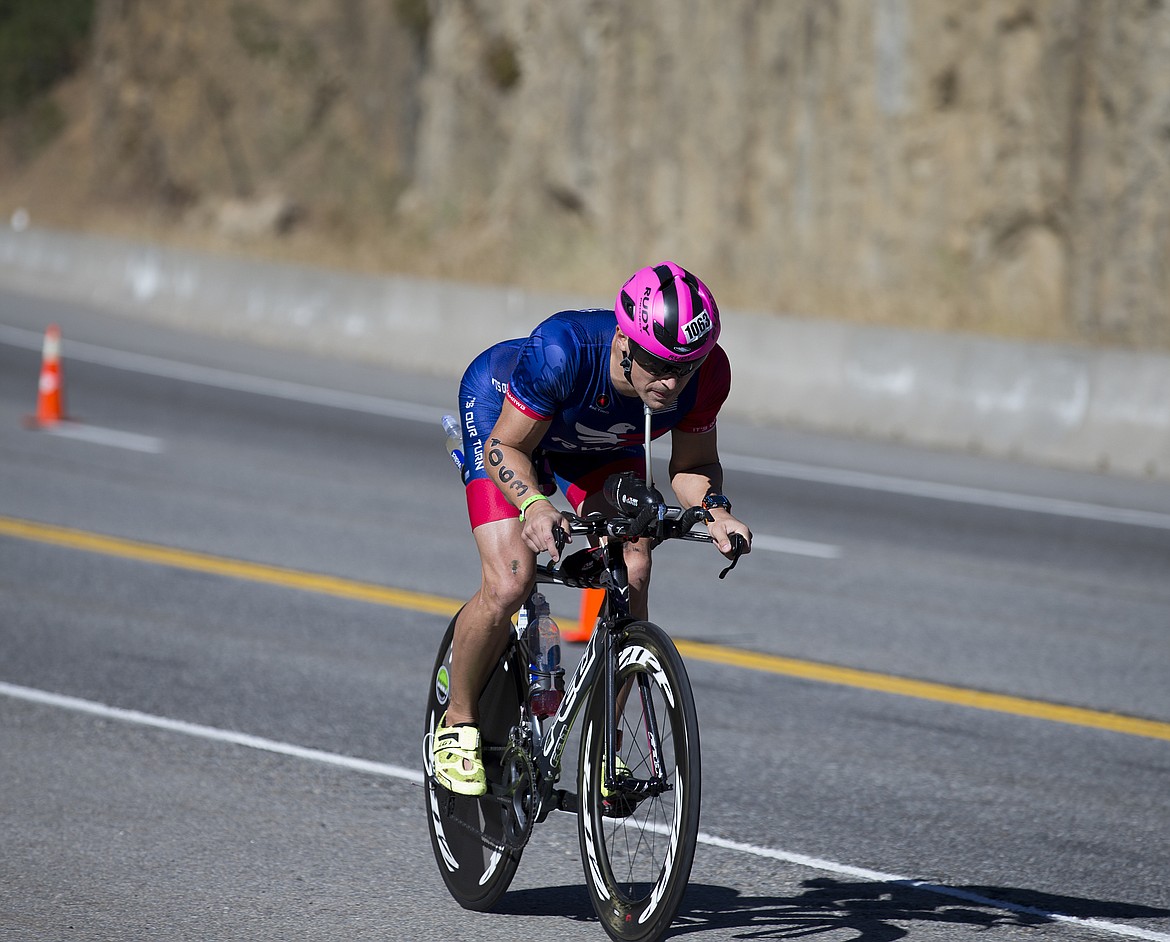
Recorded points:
502,601
505,588
638,563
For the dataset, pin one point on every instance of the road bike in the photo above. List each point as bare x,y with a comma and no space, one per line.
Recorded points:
638,776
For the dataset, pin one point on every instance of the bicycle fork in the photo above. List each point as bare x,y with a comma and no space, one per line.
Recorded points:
616,699
616,611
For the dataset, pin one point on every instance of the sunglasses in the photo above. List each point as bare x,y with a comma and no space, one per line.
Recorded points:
661,369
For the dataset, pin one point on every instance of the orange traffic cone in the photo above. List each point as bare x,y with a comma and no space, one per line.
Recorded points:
591,600
51,387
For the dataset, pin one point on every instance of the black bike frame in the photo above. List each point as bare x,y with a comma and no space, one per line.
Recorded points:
546,739
549,737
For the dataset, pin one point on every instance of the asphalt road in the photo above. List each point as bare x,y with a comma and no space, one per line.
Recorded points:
848,805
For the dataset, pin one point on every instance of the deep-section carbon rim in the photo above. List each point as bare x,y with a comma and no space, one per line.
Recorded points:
637,851
477,872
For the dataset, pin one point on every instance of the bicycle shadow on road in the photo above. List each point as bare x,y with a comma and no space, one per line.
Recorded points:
571,902
859,912
879,912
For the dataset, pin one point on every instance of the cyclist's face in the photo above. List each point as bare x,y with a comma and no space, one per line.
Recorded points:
658,382
662,369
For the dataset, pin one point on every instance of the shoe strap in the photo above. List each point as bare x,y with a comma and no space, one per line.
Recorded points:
466,738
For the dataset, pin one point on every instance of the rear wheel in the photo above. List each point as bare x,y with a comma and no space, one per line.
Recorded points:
638,842
474,839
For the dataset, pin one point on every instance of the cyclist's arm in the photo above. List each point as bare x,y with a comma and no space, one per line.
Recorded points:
695,472
508,460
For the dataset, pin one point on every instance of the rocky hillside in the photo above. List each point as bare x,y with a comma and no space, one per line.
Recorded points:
1001,166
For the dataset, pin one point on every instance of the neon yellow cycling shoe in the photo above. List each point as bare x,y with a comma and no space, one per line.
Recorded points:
614,804
621,770
457,761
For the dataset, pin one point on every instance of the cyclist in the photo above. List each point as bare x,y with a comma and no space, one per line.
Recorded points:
564,407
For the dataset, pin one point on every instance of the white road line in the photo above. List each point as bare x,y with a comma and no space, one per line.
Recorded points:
92,708
394,408
957,493
226,379
97,435
212,733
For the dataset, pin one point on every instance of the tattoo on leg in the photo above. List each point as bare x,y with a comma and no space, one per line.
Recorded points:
515,566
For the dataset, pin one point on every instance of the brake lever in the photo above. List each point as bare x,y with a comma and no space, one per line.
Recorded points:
560,537
738,545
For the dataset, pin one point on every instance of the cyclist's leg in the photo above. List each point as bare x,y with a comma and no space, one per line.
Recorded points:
508,568
638,561
582,478
480,633
638,565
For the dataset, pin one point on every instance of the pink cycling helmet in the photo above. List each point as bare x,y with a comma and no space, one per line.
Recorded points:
669,313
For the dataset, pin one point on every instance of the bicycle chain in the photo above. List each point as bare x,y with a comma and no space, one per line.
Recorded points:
488,842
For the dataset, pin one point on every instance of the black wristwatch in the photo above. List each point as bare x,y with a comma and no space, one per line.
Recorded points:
712,501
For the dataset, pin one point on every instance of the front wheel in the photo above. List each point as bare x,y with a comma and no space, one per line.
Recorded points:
638,841
471,837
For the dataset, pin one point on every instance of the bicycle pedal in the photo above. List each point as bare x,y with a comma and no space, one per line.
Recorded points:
618,806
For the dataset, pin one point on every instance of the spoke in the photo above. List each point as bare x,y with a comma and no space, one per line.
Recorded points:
642,841
637,841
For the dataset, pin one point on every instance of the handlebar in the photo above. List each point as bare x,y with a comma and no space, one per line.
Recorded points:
674,524
642,513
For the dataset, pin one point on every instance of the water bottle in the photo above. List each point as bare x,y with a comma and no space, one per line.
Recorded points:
546,679
454,441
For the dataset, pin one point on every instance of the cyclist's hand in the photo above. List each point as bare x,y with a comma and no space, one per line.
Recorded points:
539,521
721,529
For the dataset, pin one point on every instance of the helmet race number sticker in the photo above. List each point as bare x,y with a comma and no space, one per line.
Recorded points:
697,328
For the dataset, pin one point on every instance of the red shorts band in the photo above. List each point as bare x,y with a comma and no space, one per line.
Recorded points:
486,504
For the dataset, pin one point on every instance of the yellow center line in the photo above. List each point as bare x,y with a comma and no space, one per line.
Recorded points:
223,566
924,690
696,650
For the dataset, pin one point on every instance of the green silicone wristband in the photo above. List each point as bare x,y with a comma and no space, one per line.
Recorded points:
530,500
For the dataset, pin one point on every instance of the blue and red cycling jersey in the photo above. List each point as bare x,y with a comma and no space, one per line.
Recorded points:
560,374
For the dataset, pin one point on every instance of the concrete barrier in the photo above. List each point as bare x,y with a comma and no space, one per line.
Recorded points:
1066,406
